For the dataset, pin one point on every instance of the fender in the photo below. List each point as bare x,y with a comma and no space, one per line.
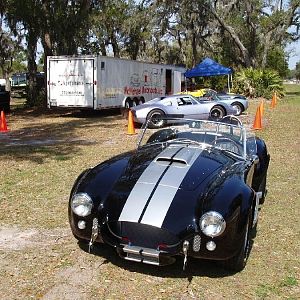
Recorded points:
262,167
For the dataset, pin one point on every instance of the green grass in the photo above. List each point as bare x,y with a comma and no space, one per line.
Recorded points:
34,189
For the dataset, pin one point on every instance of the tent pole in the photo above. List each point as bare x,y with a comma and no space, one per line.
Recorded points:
228,83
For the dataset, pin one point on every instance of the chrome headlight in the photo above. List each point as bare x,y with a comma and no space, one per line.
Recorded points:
212,224
82,204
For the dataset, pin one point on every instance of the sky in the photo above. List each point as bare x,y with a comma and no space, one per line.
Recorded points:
295,54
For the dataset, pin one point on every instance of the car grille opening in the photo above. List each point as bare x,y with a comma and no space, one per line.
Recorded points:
144,235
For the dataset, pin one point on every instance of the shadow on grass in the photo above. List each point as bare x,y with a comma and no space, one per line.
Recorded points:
63,112
36,140
195,267
293,93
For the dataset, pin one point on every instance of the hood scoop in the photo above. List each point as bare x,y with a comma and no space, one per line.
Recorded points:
179,156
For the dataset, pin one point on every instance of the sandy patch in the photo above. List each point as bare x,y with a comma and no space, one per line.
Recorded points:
15,239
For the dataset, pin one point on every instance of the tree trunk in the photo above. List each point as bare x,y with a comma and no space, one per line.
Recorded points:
32,68
266,47
103,49
194,44
248,62
114,45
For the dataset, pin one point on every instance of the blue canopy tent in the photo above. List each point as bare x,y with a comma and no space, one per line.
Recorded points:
208,67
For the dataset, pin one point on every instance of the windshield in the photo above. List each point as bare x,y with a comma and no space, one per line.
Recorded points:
18,79
202,133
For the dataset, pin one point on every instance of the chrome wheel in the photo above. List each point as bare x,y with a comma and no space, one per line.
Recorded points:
217,112
156,119
238,108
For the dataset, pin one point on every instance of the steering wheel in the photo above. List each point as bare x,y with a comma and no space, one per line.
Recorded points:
227,144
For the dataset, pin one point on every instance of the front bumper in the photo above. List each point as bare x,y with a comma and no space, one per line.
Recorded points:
157,246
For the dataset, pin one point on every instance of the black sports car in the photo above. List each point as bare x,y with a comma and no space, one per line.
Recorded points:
190,189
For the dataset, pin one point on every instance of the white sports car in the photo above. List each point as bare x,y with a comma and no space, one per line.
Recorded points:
180,106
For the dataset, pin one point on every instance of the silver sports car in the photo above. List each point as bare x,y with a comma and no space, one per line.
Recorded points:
180,106
239,102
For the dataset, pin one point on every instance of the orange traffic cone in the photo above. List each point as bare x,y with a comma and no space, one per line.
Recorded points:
274,100
257,121
3,126
261,107
130,129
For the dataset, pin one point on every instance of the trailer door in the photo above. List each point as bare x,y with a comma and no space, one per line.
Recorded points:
177,82
71,82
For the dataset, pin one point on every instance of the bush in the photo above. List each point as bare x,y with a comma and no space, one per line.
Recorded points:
258,83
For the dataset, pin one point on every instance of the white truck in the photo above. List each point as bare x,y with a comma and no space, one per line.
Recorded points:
98,82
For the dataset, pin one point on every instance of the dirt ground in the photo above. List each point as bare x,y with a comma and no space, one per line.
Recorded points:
39,258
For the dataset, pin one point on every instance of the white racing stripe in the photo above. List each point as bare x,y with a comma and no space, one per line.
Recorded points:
154,191
143,188
166,190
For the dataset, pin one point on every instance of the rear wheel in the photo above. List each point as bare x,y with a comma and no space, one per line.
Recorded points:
155,118
217,112
238,107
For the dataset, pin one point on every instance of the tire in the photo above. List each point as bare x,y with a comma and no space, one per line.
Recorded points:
239,108
140,101
155,116
217,113
238,262
127,104
263,190
134,102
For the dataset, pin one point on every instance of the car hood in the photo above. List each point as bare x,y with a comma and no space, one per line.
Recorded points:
228,96
155,182
156,103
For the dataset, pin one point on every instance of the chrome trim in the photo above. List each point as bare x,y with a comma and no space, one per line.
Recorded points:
144,255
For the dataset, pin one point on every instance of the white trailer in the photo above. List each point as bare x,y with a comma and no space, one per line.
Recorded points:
98,82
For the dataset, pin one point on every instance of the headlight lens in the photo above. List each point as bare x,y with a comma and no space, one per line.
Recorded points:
82,204
212,224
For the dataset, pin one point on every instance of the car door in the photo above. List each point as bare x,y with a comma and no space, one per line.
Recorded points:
184,106
191,108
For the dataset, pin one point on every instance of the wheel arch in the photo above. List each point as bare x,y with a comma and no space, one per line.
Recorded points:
155,109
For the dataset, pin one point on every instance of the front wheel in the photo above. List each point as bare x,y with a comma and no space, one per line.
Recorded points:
238,262
156,118
217,113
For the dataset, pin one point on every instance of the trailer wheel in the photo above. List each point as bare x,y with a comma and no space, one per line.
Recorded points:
140,101
135,102
128,103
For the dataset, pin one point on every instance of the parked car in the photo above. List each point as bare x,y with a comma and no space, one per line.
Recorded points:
185,106
4,97
239,102
191,189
